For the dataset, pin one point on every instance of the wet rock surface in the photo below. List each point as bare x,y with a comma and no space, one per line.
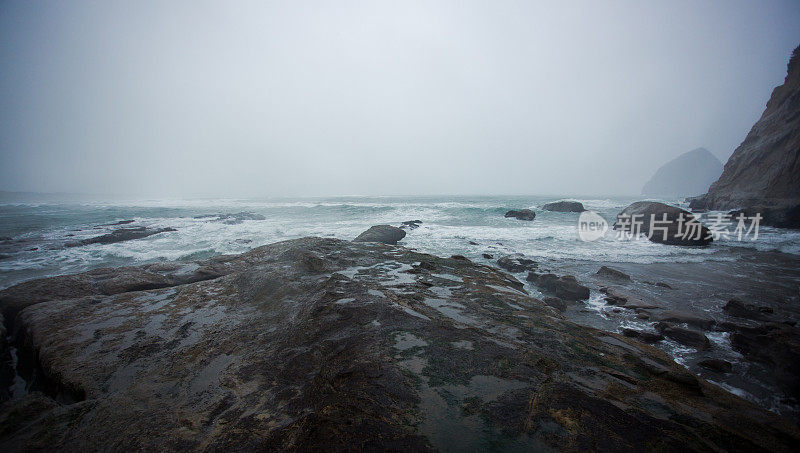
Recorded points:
320,343
565,287
120,235
516,263
564,206
521,214
386,234
663,224
750,322
613,274
411,224
687,337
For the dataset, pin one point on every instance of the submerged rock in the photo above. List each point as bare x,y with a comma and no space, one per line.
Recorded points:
564,206
326,344
686,337
565,287
776,345
718,365
647,337
121,235
516,263
663,224
411,224
612,273
386,234
521,214
232,219
683,317
739,309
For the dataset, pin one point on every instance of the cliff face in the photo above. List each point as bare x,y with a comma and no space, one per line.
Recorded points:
687,175
763,174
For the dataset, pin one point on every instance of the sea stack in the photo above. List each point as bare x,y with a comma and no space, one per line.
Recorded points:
689,174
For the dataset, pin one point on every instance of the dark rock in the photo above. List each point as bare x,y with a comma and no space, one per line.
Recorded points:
663,285
488,256
556,303
459,257
761,174
516,263
565,287
564,206
121,222
614,300
386,234
777,345
641,335
688,174
325,364
649,216
522,214
686,337
626,299
612,273
232,219
121,235
411,224
682,317
718,365
740,309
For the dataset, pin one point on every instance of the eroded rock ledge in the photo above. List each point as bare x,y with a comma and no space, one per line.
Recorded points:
322,343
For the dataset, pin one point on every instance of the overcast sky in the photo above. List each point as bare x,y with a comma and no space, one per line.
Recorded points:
290,98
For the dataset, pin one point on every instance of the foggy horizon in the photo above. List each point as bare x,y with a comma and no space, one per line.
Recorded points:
335,99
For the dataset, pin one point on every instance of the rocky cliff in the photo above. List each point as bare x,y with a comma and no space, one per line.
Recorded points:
763,174
327,344
689,174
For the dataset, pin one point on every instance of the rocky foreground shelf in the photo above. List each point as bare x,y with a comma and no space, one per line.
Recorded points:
323,343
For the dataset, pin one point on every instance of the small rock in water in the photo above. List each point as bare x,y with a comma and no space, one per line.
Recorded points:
647,337
612,273
556,303
410,224
516,263
565,287
120,235
718,365
488,256
682,317
679,228
685,337
564,206
386,234
521,214
739,309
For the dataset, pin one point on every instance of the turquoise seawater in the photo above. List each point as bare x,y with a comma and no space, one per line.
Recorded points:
34,234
